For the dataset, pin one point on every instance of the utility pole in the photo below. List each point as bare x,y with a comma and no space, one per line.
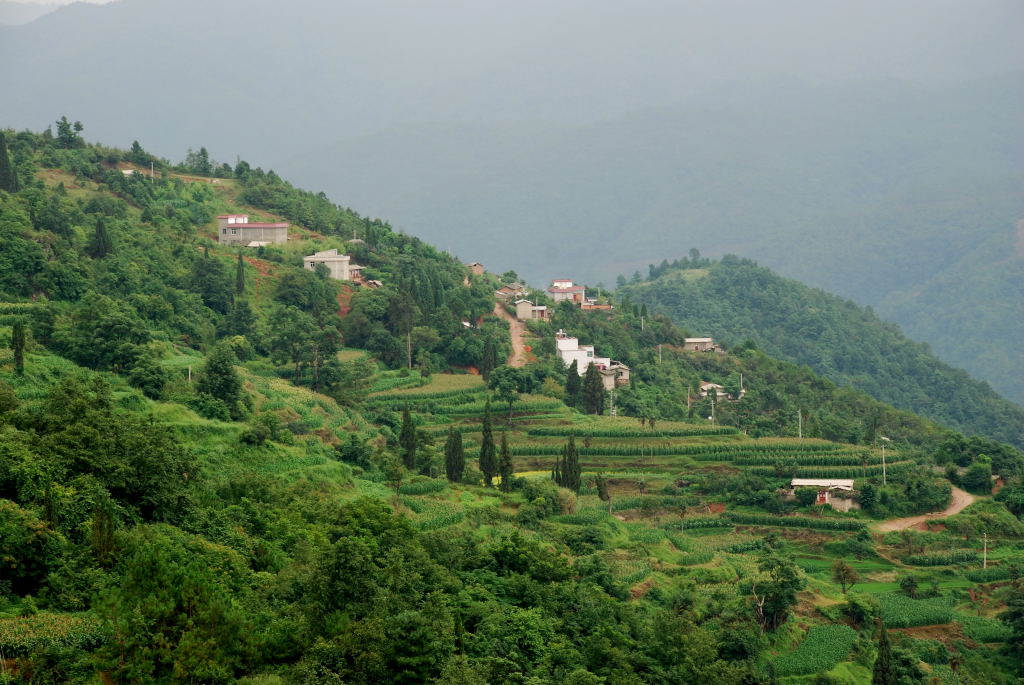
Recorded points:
799,424
190,374
884,440
984,554
659,353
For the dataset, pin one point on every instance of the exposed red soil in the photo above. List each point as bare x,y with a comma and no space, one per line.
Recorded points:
344,301
638,591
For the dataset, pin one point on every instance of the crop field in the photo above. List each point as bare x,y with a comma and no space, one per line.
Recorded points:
822,649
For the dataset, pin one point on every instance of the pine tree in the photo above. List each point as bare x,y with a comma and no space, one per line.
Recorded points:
240,276
572,385
505,465
454,457
407,440
8,175
18,345
100,244
571,466
488,460
592,391
884,672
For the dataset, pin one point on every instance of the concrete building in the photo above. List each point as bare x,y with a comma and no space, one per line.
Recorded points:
613,374
340,265
526,310
700,345
236,229
564,289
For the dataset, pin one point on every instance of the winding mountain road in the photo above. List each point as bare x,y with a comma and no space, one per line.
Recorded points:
961,500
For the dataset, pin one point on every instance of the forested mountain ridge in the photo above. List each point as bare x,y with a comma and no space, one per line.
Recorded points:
217,466
735,300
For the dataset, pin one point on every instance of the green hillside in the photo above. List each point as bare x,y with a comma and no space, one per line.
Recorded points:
218,467
736,300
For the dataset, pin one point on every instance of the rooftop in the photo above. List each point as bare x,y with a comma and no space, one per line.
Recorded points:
842,483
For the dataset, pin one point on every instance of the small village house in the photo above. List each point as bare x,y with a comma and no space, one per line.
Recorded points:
526,310
836,492
565,290
720,392
510,292
700,345
476,268
236,229
340,266
613,374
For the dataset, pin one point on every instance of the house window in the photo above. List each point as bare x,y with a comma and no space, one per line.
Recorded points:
223,231
234,231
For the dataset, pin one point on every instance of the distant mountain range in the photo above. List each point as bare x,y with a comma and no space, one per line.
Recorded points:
735,300
15,13
589,138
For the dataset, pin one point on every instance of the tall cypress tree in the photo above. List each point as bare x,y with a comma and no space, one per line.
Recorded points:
100,245
8,176
488,460
556,470
505,465
571,466
240,275
454,457
884,672
18,345
572,385
592,392
407,440
489,360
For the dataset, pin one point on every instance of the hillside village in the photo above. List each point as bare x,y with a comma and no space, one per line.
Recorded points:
318,463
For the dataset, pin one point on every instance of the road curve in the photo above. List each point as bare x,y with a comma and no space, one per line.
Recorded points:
961,500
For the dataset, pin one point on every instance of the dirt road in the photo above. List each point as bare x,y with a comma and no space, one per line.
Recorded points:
516,329
961,500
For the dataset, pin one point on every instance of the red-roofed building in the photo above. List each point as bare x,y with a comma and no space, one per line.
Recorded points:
564,289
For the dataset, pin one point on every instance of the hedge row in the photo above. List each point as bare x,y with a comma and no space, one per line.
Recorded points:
795,521
631,432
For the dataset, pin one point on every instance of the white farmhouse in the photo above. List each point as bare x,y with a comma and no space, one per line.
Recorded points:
340,265
613,374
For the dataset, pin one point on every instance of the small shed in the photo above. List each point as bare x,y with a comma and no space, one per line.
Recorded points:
833,491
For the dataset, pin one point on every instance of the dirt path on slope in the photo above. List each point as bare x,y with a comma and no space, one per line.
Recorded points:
516,329
961,500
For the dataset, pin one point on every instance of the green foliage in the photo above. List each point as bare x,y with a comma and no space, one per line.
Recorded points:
488,459
592,391
219,380
505,467
950,558
8,175
455,457
900,611
836,338
822,649
47,630
795,521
